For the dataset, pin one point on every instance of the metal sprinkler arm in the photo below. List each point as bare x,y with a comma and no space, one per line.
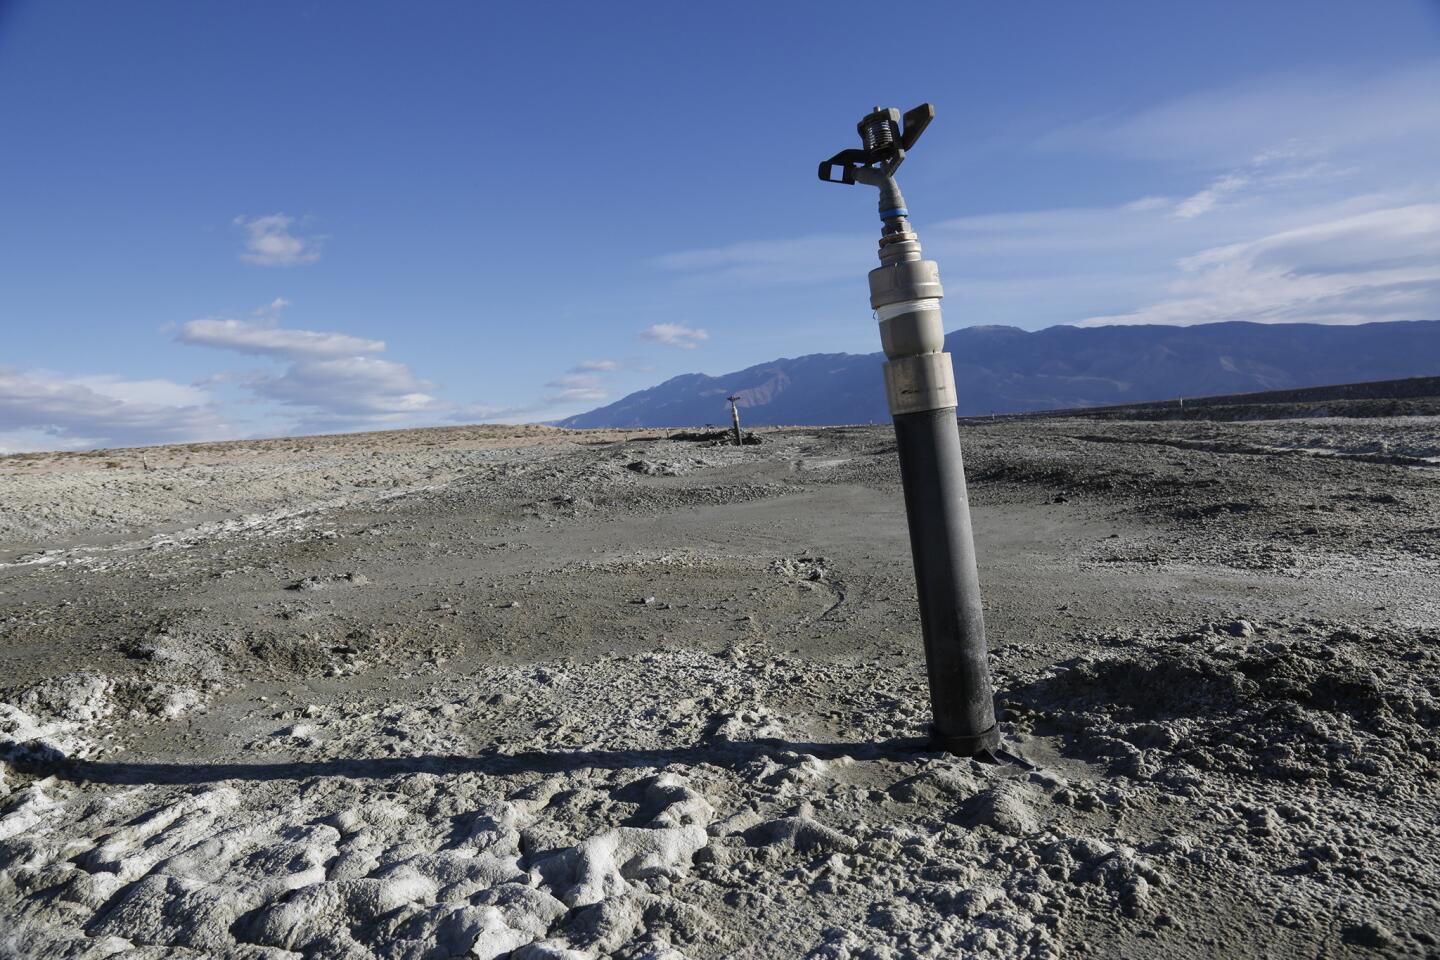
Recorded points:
886,136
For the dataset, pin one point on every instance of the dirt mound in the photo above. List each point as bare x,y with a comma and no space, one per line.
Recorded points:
1283,704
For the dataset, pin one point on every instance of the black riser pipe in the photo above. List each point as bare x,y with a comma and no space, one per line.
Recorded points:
947,583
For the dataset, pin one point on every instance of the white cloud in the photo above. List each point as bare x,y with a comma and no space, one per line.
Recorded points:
44,410
325,381
1379,265
674,335
159,393
350,392
269,242
596,366
329,377
266,338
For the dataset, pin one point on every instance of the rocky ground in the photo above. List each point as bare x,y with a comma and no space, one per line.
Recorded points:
532,693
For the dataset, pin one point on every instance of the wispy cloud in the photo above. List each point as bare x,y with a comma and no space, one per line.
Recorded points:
1287,157
1331,110
267,338
269,242
812,258
1273,168
582,385
1204,201
492,413
41,409
552,406
1229,251
674,335
595,366
1379,265
572,380
576,395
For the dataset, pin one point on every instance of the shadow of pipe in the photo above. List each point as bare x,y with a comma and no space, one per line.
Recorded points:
724,753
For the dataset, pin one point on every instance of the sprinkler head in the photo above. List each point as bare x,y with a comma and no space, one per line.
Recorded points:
885,136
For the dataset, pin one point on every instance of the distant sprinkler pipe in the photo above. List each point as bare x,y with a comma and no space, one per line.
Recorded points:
735,421
905,294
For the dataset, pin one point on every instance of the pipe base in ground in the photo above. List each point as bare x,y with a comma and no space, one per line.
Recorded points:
986,742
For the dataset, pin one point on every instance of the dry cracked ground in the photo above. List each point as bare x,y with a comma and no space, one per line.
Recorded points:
529,693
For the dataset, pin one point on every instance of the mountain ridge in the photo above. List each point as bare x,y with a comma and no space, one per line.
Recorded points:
1002,369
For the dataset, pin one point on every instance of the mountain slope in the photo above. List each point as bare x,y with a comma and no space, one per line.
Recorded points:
1007,370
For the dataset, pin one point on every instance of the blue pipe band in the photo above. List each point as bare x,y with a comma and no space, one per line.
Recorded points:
897,212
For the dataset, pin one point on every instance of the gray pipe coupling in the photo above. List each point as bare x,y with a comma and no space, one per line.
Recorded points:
906,280
918,375
923,382
911,327
906,298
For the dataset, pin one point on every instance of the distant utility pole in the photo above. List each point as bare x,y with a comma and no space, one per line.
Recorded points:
735,421
905,293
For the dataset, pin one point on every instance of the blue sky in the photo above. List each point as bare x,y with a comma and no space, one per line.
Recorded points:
231,220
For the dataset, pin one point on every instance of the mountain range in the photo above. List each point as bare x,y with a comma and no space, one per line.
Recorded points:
1009,370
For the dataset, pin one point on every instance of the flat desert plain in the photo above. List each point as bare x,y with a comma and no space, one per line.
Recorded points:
533,693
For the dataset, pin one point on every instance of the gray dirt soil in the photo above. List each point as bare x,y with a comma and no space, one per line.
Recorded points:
532,693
